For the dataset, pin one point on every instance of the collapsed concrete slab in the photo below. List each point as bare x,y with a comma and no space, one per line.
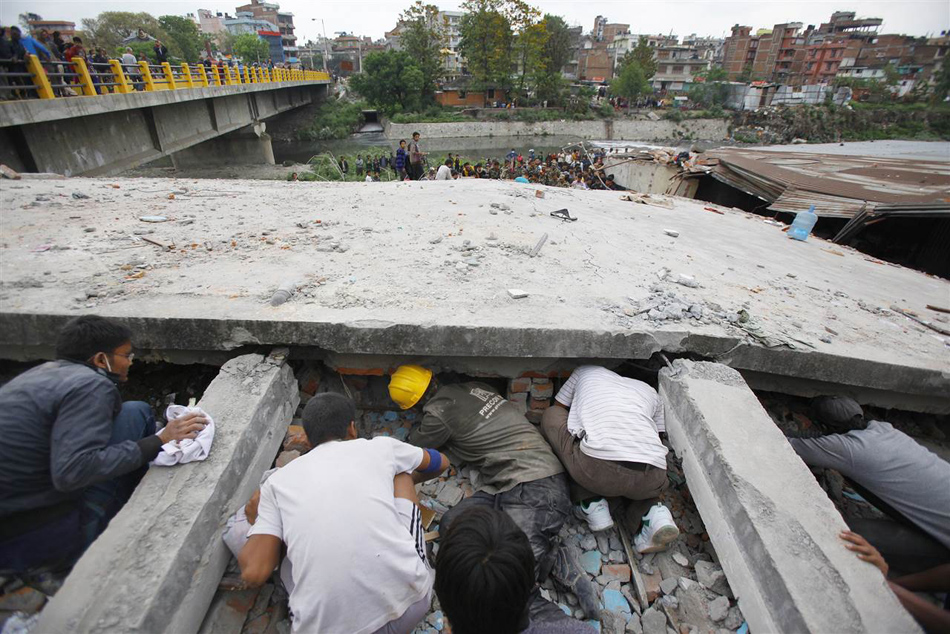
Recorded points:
157,566
774,529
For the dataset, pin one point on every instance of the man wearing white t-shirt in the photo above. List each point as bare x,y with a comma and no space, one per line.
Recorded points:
445,171
348,514
605,429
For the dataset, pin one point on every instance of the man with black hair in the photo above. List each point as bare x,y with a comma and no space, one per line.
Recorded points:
518,471
484,577
894,472
348,514
73,452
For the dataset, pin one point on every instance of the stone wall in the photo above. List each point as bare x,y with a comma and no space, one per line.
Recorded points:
622,130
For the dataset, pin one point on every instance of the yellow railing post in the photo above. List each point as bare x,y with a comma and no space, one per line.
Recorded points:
40,80
147,76
247,75
202,76
121,83
227,75
169,77
85,79
186,74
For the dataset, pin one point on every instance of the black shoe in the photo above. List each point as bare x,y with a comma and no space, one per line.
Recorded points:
568,572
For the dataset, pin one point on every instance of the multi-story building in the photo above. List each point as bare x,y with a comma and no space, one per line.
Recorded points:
245,22
570,69
453,64
283,20
211,23
66,29
676,66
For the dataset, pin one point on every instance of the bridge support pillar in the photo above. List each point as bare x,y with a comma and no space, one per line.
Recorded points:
248,146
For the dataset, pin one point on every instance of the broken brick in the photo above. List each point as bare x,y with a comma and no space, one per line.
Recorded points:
544,390
518,397
652,584
296,439
25,599
616,572
521,384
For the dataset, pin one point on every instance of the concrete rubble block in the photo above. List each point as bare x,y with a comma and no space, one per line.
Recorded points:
774,529
617,572
157,566
310,380
539,404
653,621
712,577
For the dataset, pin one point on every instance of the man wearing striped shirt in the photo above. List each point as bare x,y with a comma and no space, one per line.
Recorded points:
605,429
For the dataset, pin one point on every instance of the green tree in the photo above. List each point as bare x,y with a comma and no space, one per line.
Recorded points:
111,27
549,84
486,42
390,81
184,42
423,37
529,40
710,87
631,83
941,83
642,54
251,48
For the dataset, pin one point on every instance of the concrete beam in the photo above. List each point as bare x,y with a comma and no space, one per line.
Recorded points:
15,113
774,529
157,566
241,147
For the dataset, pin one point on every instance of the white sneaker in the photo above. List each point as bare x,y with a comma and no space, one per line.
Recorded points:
596,513
658,531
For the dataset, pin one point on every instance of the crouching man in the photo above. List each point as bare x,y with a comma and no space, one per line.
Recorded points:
518,473
348,515
73,452
605,429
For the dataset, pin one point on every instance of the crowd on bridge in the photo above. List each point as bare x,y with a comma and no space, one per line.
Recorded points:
575,167
58,57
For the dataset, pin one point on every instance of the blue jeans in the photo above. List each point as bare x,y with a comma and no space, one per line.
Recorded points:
59,543
101,501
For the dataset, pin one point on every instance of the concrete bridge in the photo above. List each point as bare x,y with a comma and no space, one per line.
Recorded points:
105,134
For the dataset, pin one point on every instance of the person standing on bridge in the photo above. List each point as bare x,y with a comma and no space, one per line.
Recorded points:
161,52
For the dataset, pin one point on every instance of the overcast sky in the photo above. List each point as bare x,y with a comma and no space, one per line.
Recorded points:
682,17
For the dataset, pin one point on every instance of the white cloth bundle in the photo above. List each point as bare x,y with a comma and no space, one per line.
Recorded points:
190,449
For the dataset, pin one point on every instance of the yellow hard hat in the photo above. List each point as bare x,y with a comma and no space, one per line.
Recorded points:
408,384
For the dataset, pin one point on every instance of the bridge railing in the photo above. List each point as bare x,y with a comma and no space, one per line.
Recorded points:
33,78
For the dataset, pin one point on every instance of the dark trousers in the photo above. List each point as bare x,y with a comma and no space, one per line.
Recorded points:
640,484
539,508
415,171
60,542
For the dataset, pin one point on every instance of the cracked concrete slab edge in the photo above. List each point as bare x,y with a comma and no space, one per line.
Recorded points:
35,329
155,552
774,529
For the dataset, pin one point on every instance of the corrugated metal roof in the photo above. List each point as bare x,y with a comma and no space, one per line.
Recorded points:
838,185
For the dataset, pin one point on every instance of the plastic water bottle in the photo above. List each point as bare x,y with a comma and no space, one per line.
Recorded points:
803,224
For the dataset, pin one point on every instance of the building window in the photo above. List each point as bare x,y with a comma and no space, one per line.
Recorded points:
461,94
677,70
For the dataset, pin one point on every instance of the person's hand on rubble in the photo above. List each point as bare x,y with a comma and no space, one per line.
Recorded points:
865,551
183,427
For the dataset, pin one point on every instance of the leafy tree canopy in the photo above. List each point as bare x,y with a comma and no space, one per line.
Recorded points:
391,81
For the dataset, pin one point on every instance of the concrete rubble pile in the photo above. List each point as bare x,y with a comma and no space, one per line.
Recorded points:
686,588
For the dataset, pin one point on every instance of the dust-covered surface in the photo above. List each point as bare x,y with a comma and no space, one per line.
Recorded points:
446,254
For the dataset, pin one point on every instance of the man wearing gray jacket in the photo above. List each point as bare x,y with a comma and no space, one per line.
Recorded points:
73,452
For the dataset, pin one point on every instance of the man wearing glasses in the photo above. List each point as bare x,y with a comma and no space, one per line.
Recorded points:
73,452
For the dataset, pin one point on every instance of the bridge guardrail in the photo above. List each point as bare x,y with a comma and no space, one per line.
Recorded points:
52,79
